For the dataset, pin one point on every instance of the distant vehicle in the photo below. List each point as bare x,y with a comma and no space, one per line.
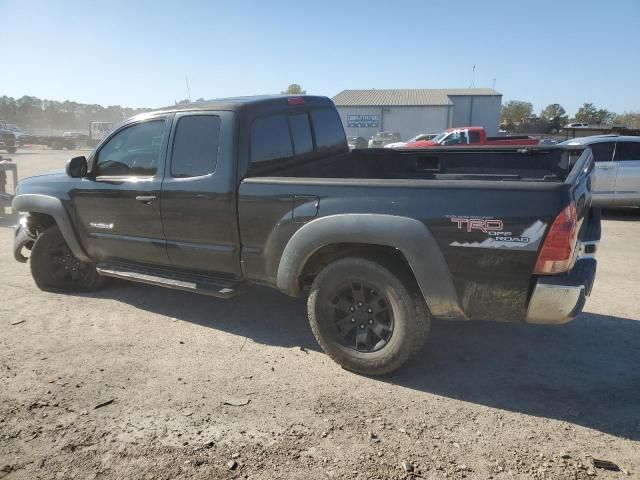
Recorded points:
381,139
20,137
470,137
548,141
577,125
76,135
8,141
535,124
617,169
356,142
417,138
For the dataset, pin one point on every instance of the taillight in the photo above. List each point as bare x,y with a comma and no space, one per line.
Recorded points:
557,250
295,101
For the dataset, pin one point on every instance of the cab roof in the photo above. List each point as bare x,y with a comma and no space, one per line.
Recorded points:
256,102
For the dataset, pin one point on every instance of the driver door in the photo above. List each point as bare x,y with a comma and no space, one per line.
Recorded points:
118,205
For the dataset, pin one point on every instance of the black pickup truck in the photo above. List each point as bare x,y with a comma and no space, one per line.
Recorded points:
216,196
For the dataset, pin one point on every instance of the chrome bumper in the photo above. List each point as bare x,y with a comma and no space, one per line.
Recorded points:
558,299
555,304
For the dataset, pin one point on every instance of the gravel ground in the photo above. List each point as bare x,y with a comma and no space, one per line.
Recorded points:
141,382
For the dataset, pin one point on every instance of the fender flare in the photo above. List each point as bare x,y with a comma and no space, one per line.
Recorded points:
410,236
52,206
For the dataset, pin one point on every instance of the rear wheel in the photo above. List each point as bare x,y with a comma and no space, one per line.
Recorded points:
55,269
365,317
12,149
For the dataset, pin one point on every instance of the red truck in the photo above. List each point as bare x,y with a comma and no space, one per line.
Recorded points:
471,136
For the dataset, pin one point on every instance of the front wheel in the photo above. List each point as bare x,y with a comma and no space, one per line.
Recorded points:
12,149
365,318
55,269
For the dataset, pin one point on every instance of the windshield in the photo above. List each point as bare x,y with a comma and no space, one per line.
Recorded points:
439,137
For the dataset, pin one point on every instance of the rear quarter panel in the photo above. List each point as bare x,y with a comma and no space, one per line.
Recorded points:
492,277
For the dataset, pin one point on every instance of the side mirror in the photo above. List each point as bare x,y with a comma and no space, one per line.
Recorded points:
77,167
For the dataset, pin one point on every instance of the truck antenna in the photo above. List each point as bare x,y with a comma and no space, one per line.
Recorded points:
186,80
473,77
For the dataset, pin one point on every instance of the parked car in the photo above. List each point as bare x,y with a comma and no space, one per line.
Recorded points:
381,139
215,197
417,138
78,136
535,124
617,168
356,142
577,125
8,141
470,136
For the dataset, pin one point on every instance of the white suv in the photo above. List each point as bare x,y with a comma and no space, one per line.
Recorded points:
617,169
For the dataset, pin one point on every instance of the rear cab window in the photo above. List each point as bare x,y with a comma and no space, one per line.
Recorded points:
270,139
327,127
283,136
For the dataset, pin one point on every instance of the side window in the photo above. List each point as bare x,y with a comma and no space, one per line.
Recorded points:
195,146
602,152
457,137
301,133
327,128
628,151
270,139
133,151
474,137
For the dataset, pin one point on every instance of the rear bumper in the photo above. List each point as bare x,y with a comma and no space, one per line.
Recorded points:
557,299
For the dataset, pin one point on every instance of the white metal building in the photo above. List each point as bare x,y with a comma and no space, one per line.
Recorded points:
413,111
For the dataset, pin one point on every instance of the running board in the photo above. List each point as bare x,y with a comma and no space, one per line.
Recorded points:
189,282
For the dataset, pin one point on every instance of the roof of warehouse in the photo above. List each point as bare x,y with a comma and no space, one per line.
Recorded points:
405,97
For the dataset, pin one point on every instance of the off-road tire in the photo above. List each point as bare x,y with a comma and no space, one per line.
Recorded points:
49,257
411,320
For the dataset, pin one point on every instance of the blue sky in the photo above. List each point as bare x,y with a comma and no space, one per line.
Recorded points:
137,53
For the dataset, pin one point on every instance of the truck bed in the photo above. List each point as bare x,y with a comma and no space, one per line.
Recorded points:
535,164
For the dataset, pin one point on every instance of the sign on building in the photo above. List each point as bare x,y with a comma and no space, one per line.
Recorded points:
363,121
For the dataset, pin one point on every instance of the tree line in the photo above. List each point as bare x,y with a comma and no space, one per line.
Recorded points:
31,112
514,111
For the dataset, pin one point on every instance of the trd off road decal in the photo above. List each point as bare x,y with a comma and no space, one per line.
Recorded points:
497,237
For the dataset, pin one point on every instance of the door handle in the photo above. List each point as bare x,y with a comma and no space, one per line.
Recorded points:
146,199
604,167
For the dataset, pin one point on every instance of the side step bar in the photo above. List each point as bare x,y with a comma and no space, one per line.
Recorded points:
189,282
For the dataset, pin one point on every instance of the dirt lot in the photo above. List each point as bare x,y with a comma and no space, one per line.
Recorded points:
142,382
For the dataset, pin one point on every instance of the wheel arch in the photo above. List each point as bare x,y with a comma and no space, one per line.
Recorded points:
404,239
46,208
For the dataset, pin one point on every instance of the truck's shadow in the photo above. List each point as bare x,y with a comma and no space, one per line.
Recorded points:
586,372
622,214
